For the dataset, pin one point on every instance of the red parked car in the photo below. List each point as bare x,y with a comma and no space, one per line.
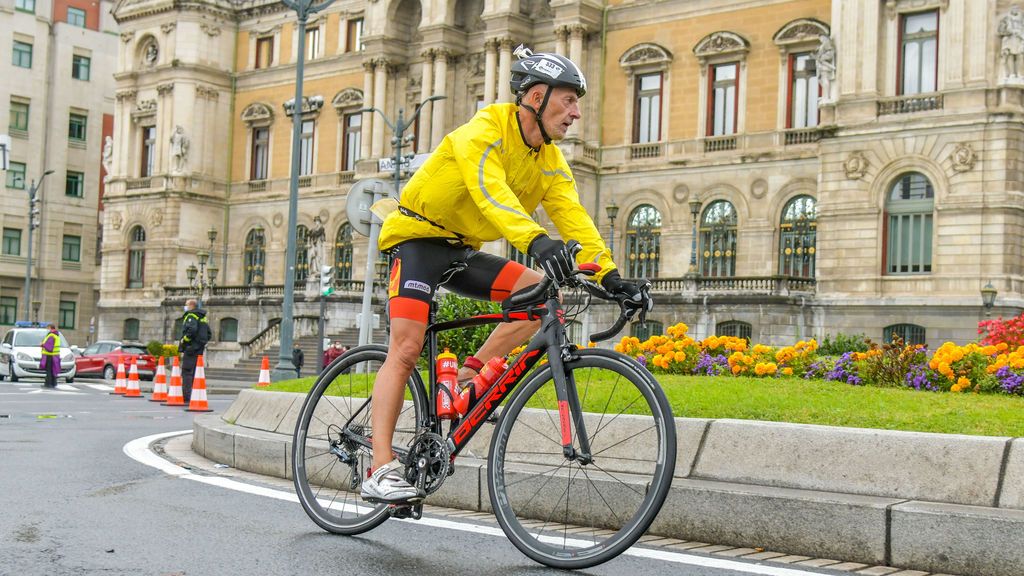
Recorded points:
100,359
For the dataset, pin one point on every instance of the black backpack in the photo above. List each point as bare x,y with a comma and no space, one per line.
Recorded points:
202,334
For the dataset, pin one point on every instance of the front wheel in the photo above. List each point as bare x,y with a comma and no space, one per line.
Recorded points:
580,512
330,452
108,372
11,373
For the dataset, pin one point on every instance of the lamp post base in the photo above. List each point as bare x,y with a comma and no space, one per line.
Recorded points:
283,371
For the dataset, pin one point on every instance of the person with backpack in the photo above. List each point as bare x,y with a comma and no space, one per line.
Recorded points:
195,333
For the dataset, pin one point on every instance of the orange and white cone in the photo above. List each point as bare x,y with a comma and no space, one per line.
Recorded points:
175,396
159,383
133,390
120,383
264,374
197,403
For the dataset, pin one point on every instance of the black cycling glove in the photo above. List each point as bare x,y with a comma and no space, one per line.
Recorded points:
637,296
553,257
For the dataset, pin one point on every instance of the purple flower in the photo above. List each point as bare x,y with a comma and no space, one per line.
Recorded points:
1010,381
642,360
711,365
919,378
845,371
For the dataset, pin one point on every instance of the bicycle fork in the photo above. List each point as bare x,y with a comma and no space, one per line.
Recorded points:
570,413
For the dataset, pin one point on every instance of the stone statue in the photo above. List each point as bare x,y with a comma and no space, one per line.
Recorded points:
151,54
108,155
315,242
825,59
1011,33
179,150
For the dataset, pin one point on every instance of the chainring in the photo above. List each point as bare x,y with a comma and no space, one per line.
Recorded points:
428,463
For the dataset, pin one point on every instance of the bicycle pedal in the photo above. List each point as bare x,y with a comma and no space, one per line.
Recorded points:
402,511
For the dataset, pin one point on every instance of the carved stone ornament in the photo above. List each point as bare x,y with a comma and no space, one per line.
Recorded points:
415,82
801,30
126,37
475,64
895,7
719,44
348,97
211,31
150,54
165,89
168,27
277,220
257,112
208,92
963,157
759,188
156,218
310,105
128,94
115,220
645,54
855,166
680,193
145,107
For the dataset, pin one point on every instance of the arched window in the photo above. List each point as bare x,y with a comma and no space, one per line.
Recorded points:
908,225
254,256
643,242
228,330
131,329
718,240
734,328
137,257
343,253
797,236
911,334
644,330
301,254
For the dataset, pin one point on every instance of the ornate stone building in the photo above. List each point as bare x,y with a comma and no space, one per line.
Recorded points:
781,168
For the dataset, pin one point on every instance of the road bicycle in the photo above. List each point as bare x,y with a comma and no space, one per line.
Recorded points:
580,459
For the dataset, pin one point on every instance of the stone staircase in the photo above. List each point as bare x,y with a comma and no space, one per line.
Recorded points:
248,369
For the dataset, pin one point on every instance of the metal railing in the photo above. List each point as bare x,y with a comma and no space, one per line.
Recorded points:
909,104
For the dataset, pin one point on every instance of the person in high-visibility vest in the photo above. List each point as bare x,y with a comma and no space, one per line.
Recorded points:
195,333
50,362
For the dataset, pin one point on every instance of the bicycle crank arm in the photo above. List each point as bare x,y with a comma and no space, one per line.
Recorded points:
414,512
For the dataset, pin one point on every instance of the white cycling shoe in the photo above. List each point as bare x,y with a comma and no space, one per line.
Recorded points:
387,485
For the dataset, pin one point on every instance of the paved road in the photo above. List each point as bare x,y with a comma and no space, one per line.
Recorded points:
73,502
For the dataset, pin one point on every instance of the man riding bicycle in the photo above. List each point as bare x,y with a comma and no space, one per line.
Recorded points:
482,183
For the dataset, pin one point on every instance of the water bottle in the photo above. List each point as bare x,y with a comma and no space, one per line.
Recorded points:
488,375
447,383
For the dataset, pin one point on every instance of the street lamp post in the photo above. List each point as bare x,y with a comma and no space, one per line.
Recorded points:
204,276
988,298
284,368
33,223
694,211
612,210
398,141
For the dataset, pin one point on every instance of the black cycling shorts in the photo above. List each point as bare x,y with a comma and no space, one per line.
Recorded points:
419,266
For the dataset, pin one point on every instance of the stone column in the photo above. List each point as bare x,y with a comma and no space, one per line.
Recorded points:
578,34
164,128
490,65
123,127
366,130
504,70
380,80
437,126
427,90
561,34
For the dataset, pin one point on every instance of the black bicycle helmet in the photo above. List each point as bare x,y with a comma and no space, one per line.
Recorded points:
544,68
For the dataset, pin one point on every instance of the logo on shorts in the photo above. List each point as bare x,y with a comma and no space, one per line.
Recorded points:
396,273
416,285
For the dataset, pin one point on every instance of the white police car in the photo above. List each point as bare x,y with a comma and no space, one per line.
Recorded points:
20,353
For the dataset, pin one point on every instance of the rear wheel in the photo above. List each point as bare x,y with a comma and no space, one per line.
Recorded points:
328,464
108,372
579,512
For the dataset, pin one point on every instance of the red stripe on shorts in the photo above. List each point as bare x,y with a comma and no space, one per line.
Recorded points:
506,280
409,308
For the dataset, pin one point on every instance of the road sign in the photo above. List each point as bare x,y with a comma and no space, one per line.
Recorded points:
388,164
360,198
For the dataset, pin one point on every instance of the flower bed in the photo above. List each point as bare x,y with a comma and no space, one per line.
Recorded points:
992,367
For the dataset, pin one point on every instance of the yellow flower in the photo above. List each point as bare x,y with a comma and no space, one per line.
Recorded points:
736,369
963,382
680,356
787,371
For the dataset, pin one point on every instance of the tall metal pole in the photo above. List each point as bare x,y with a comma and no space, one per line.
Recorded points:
33,190
285,369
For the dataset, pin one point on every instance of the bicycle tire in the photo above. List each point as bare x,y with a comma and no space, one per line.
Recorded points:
541,518
320,477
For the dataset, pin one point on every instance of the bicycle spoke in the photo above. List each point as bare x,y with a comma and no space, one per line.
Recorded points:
620,442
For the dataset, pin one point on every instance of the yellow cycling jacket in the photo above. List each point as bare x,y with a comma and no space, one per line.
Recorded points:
483,182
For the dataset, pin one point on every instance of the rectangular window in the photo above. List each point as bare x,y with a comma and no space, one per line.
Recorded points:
67,315
136,267
148,150
260,153
22,55
265,52
647,109
919,53
80,67
25,5
12,242
8,309
71,249
77,124
803,92
354,37
76,17
353,139
312,43
74,184
16,175
724,99
306,148
19,116
910,243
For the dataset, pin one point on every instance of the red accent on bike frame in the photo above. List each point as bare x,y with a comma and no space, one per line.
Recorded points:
563,415
492,398
561,316
511,316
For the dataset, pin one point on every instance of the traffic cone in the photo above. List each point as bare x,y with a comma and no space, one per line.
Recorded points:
120,386
174,395
264,374
159,383
197,403
133,390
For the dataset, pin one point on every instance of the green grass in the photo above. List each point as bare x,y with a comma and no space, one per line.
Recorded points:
827,403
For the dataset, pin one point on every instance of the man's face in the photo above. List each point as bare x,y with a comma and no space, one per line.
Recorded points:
562,110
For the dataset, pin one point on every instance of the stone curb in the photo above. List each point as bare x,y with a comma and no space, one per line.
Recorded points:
872,496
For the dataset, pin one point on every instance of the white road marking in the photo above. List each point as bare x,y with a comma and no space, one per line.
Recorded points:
139,451
100,387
